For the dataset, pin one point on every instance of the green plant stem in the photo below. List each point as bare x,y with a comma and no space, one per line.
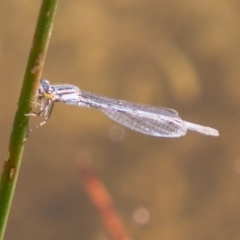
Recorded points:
20,126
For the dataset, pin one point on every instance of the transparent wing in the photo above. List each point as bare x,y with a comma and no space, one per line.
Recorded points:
155,121
159,127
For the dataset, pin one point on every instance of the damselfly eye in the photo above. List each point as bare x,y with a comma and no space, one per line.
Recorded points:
45,86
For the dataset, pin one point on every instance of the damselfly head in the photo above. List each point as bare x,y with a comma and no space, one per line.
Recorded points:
45,85
44,88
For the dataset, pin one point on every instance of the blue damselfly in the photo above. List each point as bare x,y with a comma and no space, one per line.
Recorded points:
155,121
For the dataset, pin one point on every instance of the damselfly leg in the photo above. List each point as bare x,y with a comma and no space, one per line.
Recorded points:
45,110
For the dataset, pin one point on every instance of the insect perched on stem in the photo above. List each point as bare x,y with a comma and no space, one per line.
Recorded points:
155,121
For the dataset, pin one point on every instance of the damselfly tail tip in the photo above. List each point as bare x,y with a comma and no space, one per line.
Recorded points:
208,131
211,132
202,129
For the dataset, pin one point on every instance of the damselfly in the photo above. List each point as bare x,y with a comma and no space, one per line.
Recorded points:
155,121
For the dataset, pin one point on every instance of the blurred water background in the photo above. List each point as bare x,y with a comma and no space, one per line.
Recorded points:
178,54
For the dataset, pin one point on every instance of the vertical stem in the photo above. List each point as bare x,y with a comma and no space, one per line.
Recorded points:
32,74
